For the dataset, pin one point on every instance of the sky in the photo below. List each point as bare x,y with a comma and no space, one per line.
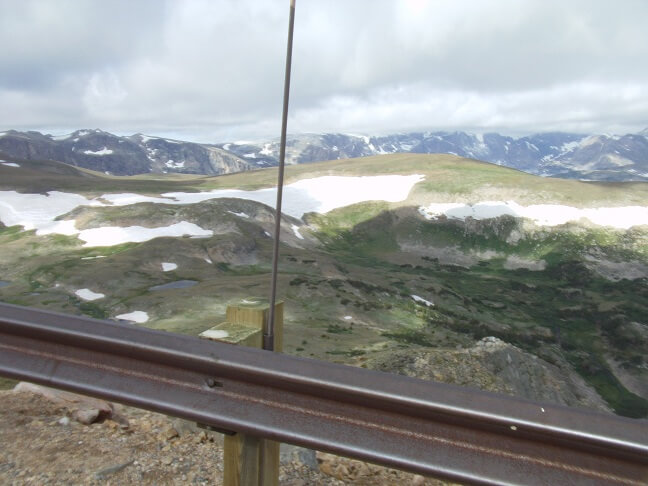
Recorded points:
212,70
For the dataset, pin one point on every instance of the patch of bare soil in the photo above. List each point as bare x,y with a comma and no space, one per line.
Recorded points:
44,443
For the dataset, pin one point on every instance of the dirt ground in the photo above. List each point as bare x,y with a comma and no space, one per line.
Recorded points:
42,442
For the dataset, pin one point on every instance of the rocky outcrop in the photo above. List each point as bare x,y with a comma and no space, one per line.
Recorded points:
85,410
496,366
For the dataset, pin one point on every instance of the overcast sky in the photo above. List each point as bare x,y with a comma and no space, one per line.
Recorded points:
212,70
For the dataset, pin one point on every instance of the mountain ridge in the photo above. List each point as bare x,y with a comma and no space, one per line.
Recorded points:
554,154
136,154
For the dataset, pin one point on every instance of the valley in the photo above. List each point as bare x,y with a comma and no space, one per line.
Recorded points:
431,265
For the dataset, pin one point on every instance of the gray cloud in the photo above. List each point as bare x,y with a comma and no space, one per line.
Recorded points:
213,69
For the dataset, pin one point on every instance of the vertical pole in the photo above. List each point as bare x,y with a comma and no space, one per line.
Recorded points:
268,335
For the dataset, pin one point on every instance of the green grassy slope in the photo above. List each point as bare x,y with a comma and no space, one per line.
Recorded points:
348,291
451,178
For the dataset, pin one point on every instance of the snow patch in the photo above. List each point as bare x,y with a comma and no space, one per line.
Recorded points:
146,138
115,235
174,165
103,151
167,267
347,318
87,294
569,146
266,150
240,215
214,334
136,316
295,229
320,194
541,214
421,300
10,164
128,198
250,301
531,146
38,211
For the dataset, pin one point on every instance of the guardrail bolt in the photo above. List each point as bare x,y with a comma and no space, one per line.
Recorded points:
211,383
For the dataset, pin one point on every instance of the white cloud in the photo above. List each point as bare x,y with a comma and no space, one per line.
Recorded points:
104,93
213,69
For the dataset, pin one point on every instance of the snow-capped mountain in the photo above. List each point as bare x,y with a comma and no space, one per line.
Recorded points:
565,155
137,154
603,157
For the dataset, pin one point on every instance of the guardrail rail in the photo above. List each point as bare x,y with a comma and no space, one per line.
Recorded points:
430,428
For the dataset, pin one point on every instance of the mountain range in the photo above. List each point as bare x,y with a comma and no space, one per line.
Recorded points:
564,155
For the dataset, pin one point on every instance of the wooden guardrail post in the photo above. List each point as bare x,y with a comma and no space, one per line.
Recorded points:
249,460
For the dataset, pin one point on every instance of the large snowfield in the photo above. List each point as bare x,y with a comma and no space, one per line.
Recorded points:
540,214
323,194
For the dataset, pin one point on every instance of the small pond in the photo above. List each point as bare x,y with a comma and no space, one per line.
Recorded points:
178,284
4,283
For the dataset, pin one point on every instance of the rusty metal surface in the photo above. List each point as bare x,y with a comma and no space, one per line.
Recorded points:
434,429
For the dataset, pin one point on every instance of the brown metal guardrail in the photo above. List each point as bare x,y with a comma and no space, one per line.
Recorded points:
430,428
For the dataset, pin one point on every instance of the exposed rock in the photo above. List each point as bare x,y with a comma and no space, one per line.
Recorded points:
85,410
170,433
496,366
107,471
86,416
513,262
306,457
616,271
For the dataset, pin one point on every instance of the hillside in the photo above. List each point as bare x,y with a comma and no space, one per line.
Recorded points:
384,260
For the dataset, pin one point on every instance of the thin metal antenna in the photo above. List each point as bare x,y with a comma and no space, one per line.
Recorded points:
268,336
